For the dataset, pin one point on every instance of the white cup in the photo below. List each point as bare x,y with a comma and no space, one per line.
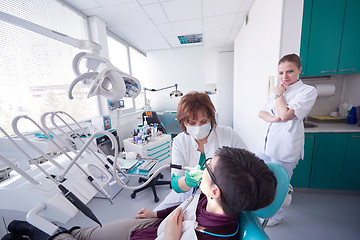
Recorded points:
130,155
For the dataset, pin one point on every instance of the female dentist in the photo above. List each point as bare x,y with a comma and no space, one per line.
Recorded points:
200,139
282,141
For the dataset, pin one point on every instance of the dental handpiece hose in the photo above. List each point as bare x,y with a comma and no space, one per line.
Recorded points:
121,183
181,167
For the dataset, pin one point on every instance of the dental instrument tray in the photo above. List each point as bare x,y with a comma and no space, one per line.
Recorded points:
147,165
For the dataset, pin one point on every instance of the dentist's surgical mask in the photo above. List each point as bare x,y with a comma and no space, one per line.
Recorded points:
199,132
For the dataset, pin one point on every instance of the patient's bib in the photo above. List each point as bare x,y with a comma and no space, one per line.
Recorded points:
189,222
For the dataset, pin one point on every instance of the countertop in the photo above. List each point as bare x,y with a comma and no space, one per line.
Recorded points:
333,128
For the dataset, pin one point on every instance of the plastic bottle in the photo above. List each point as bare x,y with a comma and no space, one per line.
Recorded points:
145,124
352,116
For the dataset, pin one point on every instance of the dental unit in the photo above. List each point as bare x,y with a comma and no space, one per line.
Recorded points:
32,191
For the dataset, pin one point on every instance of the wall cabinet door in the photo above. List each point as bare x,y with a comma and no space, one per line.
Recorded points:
325,37
350,176
328,159
305,34
349,61
301,176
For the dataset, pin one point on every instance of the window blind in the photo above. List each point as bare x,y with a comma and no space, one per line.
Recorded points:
36,71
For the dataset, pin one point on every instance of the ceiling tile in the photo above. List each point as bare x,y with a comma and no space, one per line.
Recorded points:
145,29
156,13
180,10
166,29
127,13
219,22
216,7
83,4
155,39
125,32
105,3
216,35
174,41
187,27
146,2
155,24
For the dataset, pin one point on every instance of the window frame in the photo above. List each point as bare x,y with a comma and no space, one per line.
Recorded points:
127,45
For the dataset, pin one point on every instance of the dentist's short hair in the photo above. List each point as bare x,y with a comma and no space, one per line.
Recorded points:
191,104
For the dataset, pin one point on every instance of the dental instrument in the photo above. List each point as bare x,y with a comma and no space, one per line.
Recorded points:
16,131
180,167
67,194
13,166
88,176
79,138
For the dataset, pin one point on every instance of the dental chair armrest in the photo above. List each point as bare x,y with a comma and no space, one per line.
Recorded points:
33,218
250,228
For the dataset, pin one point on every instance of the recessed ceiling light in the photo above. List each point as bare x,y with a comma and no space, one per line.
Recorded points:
190,38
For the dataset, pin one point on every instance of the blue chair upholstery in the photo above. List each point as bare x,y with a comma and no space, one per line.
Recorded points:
250,228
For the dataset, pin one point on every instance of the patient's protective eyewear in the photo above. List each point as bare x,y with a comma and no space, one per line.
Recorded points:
212,176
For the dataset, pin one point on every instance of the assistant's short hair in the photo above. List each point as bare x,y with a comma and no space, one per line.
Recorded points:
191,104
246,182
291,58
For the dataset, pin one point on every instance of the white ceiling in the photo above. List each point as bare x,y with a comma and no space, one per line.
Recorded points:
155,24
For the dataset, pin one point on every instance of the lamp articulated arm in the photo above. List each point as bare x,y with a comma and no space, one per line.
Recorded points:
155,90
175,93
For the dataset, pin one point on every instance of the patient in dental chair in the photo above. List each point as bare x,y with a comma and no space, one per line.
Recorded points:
234,180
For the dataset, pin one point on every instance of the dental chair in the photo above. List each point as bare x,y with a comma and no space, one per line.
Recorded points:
250,227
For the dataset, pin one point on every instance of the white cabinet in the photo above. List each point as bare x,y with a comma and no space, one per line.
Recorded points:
159,149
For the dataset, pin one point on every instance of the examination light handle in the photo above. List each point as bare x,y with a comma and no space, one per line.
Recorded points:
78,204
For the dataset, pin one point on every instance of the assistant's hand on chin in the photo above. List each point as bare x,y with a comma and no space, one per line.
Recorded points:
279,89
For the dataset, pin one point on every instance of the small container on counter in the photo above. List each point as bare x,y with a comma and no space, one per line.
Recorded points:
352,116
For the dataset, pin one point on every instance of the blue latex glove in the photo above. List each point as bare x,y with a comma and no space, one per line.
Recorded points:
193,177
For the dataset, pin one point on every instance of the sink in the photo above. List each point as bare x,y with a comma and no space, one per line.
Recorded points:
308,124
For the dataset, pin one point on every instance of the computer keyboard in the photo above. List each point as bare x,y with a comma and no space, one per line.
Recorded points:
147,165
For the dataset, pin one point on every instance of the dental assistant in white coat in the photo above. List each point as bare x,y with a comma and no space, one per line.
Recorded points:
282,141
200,139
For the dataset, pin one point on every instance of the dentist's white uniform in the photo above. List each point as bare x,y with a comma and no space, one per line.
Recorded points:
283,142
184,152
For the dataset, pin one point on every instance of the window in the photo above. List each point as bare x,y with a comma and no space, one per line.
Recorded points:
119,57
118,54
139,70
36,71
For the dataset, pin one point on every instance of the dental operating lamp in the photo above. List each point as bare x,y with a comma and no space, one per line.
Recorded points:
174,93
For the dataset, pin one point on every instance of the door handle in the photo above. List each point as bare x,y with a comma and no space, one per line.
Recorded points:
347,70
328,71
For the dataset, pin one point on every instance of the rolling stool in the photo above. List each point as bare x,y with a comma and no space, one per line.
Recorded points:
155,181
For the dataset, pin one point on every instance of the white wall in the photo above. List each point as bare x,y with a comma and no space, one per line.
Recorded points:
225,86
352,89
291,27
183,66
257,51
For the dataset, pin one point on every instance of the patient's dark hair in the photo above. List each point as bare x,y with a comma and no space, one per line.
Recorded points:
246,182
